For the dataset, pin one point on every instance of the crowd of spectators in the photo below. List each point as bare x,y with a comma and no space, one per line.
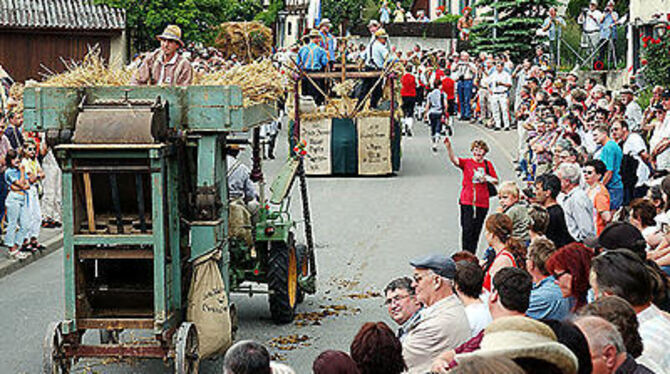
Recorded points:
575,277
29,187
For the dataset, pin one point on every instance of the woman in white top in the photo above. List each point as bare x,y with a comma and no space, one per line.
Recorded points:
435,104
468,285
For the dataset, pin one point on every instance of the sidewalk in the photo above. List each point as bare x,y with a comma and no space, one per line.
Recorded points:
52,239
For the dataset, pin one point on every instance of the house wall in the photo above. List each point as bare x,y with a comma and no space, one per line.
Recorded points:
645,9
118,51
22,53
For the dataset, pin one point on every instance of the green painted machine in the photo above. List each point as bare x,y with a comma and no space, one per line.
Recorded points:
144,195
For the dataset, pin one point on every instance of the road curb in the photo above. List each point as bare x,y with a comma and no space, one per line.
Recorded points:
52,245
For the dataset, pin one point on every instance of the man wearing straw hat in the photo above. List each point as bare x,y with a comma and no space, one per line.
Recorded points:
313,58
165,66
327,41
375,57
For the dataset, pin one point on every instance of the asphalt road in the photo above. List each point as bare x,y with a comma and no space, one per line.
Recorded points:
366,231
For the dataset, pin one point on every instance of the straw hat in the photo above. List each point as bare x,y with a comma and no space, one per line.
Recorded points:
314,33
381,33
171,32
523,337
325,22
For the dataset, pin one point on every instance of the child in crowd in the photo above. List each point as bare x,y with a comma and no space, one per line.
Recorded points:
517,210
34,175
17,198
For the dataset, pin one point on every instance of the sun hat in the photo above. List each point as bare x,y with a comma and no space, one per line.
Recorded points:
314,33
374,22
171,32
381,33
325,22
523,337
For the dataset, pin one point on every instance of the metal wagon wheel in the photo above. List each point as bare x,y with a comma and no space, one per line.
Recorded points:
54,360
187,358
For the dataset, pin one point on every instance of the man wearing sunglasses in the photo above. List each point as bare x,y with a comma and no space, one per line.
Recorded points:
442,324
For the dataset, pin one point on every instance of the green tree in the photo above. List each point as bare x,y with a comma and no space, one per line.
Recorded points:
518,21
196,18
343,11
269,16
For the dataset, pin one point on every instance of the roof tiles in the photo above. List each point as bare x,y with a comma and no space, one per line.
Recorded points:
60,14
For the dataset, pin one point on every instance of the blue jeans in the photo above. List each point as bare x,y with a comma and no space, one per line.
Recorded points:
616,198
17,218
435,125
464,97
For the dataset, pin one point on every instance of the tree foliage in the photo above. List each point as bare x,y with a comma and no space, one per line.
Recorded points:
575,7
196,18
269,16
339,11
518,21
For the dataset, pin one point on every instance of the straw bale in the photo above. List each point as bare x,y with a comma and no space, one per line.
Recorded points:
247,40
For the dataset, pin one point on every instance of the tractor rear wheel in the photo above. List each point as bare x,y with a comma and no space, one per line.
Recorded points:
283,280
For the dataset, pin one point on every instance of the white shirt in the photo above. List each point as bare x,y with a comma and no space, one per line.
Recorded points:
591,24
499,77
479,317
660,133
633,115
655,333
633,146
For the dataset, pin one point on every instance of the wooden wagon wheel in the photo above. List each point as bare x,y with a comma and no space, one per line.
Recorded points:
54,360
187,358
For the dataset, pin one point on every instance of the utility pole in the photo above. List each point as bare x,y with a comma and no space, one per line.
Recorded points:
495,20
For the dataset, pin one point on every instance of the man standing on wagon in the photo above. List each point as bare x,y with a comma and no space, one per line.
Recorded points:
165,66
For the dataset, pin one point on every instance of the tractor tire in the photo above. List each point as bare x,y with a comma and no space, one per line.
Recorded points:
283,280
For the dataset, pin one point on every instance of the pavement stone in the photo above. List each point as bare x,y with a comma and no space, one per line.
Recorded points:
52,239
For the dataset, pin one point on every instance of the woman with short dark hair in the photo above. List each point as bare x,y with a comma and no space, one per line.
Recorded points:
376,350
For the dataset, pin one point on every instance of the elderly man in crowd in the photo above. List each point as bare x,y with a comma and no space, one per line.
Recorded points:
465,73
577,206
165,65
443,324
402,304
608,352
621,272
510,298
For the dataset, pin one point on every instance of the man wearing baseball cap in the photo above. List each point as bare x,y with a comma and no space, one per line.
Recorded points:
442,324
165,66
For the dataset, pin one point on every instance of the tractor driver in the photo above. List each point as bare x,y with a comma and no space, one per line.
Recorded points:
239,181
165,66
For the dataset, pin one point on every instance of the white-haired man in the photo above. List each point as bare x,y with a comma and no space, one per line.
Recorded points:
442,324
608,352
576,204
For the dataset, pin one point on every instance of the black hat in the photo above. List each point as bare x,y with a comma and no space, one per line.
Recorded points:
442,265
619,235
666,94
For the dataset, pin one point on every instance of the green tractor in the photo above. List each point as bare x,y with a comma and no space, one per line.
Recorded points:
267,252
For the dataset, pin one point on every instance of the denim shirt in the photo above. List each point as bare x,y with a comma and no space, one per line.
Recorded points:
547,301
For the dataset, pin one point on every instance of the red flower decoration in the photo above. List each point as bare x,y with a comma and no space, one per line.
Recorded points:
303,152
644,45
598,65
643,61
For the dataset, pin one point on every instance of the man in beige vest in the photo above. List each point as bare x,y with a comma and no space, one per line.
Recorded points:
442,324
165,66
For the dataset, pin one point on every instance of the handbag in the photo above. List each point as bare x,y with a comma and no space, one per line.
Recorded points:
493,191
